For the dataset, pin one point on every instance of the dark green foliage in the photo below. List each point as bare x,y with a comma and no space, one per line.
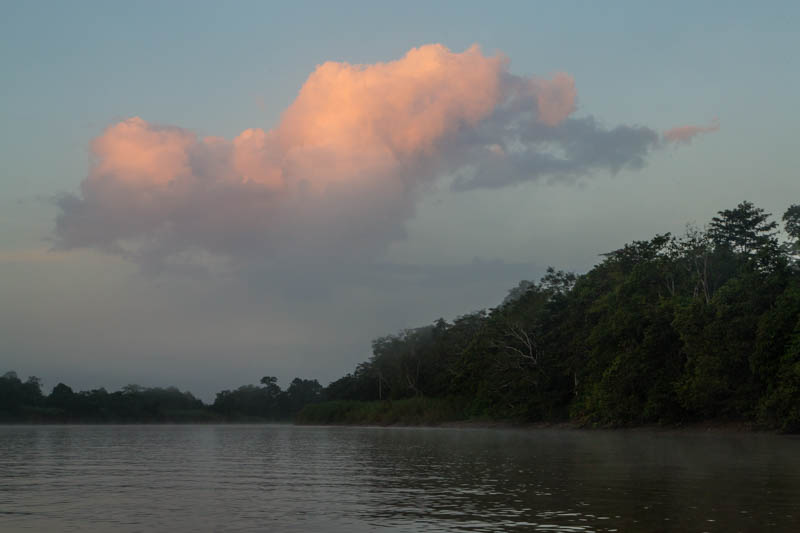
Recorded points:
781,406
24,402
744,230
669,330
409,412
18,397
791,221
268,402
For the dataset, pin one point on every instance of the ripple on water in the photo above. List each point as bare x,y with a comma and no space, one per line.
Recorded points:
285,478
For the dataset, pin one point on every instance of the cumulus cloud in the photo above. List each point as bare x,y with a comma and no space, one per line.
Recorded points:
342,170
685,134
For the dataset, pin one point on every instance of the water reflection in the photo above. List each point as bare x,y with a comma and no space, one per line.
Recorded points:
283,478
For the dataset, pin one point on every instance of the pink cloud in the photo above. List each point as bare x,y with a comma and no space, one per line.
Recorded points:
134,151
685,134
344,165
555,98
368,118
256,158
357,120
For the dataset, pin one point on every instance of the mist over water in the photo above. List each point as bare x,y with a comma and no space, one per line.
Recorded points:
287,478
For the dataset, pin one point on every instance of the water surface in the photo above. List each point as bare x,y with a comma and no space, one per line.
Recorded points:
287,478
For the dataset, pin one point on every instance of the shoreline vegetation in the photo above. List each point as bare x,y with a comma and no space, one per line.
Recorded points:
695,331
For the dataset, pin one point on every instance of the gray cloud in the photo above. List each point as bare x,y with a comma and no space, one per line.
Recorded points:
510,149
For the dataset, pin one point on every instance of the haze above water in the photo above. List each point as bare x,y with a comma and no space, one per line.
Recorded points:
288,478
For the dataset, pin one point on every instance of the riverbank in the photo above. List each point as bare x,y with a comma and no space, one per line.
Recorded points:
407,412
410,412
50,416
450,413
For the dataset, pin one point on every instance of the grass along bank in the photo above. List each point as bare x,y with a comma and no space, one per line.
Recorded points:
418,411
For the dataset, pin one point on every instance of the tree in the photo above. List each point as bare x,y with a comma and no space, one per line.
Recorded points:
744,230
16,395
519,291
693,256
791,221
302,392
558,282
62,397
781,406
271,387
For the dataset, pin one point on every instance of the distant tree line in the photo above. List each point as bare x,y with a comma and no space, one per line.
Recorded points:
23,401
675,329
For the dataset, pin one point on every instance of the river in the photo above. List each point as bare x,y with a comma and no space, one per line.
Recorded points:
342,479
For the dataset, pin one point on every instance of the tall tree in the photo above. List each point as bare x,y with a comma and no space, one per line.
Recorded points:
745,229
791,221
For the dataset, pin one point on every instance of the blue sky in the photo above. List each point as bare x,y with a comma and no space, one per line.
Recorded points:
70,71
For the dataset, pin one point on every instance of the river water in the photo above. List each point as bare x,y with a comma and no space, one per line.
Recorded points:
340,479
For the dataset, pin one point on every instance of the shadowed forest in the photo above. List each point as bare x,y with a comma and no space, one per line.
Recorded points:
676,329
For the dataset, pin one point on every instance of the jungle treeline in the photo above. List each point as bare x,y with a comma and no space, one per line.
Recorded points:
703,326
675,329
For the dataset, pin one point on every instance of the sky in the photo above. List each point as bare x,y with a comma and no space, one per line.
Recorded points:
199,194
